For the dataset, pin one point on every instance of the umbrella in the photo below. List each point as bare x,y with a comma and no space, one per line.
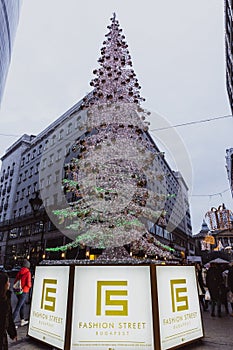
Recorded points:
219,261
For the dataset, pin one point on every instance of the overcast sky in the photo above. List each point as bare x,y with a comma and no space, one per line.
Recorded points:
177,49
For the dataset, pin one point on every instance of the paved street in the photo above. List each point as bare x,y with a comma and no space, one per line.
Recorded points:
218,335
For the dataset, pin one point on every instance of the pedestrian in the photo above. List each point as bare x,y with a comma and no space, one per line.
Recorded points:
214,280
230,286
24,275
201,286
7,325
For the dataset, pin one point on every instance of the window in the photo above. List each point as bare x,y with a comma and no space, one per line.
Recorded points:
35,187
52,142
30,172
39,227
39,150
61,132
56,176
37,168
49,180
68,149
77,122
25,175
58,154
69,128
22,193
51,159
33,153
44,163
46,144
28,191
42,183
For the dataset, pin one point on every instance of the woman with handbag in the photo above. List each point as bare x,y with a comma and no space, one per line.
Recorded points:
7,325
24,275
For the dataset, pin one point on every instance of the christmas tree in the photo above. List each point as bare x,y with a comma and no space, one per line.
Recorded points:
112,178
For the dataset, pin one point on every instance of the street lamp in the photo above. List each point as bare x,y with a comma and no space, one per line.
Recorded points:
36,203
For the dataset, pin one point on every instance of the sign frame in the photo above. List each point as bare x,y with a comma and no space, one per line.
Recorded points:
155,317
49,298
155,302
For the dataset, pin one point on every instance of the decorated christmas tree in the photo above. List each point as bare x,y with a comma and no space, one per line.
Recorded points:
113,174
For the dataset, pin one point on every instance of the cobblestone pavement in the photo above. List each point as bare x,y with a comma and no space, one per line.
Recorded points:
218,336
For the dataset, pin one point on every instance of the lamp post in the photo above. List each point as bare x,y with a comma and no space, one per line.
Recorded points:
36,203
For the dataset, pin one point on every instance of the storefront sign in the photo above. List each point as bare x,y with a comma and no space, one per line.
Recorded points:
178,305
112,308
49,302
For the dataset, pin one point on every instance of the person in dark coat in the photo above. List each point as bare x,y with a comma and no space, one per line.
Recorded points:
214,281
7,325
230,283
201,286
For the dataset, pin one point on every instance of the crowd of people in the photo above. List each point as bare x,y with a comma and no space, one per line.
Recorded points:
7,317
215,288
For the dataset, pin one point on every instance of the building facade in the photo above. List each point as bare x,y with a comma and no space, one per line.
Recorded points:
229,77
9,18
229,167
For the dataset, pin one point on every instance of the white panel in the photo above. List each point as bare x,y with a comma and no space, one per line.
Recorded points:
179,309
112,308
49,303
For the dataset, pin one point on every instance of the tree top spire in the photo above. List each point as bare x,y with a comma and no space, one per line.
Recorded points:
115,79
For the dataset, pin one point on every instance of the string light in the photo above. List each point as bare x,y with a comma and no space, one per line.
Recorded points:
210,195
193,122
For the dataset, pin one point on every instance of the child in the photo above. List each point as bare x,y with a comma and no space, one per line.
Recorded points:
7,325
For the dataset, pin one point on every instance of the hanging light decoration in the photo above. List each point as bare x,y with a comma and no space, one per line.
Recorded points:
219,218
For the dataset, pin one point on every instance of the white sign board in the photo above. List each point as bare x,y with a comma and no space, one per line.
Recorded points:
179,310
112,308
49,303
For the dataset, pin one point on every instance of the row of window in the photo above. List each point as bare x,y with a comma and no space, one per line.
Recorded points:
26,192
7,172
48,143
28,173
30,229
